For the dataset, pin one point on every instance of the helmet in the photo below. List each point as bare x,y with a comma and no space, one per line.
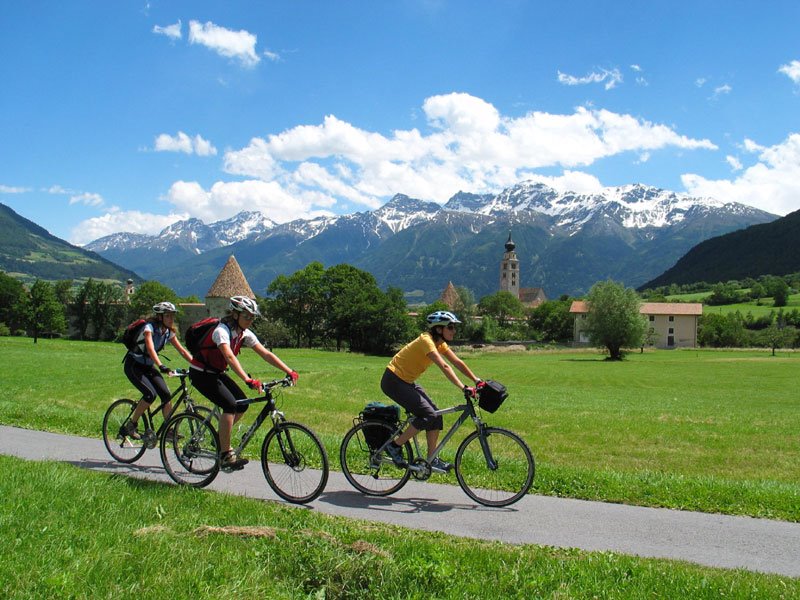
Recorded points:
244,304
441,317
164,307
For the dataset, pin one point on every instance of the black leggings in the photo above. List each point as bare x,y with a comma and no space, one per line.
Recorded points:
219,388
147,380
414,399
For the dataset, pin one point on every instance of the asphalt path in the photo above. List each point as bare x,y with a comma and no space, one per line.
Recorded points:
708,539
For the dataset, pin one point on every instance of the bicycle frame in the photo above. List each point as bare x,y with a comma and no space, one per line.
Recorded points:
182,390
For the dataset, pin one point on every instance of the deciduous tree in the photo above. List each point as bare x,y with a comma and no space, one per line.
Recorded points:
614,321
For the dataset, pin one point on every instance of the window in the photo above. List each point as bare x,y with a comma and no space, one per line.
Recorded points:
652,318
671,318
671,331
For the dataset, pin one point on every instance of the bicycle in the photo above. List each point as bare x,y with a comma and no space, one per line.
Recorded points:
128,449
293,460
494,466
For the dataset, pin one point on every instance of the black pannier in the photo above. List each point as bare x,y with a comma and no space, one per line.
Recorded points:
491,395
377,411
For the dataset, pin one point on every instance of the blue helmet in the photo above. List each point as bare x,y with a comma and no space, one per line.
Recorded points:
441,317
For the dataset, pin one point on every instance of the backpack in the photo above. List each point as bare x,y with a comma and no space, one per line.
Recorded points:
130,337
198,341
491,395
378,411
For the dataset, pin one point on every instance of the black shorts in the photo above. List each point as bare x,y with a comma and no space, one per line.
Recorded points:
147,380
219,388
414,399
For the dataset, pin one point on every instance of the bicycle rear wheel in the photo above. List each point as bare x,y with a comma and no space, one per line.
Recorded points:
191,453
294,462
370,473
497,474
122,447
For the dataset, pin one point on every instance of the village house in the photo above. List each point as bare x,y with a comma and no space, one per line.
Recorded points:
671,324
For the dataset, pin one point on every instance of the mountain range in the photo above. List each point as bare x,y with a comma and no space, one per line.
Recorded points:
29,252
769,249
565,242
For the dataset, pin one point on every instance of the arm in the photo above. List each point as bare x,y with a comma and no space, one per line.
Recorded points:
437,359
460,365
232,361
271,358
151,350
179,347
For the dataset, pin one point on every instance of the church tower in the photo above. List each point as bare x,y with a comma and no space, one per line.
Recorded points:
509,269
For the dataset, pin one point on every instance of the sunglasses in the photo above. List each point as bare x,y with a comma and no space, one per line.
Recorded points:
451,327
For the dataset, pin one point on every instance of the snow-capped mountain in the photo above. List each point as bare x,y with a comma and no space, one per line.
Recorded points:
565,241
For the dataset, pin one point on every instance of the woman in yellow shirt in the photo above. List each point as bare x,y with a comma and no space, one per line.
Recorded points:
398,383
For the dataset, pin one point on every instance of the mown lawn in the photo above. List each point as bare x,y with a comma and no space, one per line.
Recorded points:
69,533
714,431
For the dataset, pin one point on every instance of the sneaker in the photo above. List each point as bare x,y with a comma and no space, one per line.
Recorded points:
231,462
129,430
396,454
171,436
439,466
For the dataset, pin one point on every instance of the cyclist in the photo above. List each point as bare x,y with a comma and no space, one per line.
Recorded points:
219,349
144,367
399,378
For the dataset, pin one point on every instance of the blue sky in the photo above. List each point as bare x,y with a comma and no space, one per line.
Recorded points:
132,114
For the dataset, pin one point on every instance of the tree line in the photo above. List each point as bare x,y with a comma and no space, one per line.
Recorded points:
342,308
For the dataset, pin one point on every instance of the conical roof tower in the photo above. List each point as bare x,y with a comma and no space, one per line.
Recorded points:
230,282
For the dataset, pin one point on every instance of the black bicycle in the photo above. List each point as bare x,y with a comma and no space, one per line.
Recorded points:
493,466
130,448
294,461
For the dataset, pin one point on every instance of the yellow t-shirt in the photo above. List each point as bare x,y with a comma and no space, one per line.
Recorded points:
412,360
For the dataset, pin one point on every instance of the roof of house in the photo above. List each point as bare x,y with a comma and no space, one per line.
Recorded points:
230,282
449,295
652,308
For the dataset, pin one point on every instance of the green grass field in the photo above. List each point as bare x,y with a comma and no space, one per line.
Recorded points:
94,535
757,308
712,431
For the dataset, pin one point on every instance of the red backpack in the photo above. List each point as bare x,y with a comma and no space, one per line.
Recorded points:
198,341
130,337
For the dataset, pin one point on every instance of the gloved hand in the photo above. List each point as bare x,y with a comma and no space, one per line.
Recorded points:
253,384
470,392
163,368
295,376
479,384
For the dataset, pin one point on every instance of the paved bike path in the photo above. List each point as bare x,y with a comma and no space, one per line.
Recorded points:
713,540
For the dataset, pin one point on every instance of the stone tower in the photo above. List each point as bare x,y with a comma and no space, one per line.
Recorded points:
509,269
230,282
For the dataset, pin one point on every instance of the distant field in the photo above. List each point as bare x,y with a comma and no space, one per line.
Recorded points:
762,308
706,430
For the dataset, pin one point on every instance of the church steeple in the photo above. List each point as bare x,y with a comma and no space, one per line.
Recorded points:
509,269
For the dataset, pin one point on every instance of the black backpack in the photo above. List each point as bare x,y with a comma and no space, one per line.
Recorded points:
130,337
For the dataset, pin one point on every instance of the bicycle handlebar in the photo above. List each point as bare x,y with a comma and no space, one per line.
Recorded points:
268,385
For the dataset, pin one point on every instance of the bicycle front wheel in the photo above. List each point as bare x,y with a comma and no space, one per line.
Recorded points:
372,473
494,467
190,450
294,462
122,447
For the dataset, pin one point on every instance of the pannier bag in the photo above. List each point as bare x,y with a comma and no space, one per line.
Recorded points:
378,411
491,395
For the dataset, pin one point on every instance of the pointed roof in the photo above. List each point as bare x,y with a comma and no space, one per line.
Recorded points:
510,245
230,282
449,295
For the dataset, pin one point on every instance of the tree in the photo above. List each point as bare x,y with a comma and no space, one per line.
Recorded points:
105,309
44,313
502,306
614,321
147,295
80,308
776,336
12,299
298,301
552,320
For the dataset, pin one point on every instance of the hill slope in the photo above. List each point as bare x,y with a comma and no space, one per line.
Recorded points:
767,249
28,252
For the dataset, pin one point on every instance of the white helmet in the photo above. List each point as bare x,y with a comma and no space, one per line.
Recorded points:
244,304
441,317
164,307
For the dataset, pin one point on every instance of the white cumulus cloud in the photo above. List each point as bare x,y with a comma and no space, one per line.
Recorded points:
183,143
791,70
772,184
116,220
171,31
239,45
